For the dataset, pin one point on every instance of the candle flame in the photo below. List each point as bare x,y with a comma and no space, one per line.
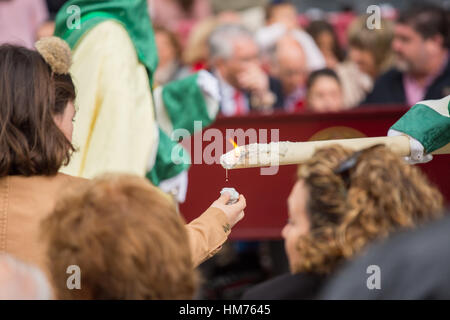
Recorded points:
236,148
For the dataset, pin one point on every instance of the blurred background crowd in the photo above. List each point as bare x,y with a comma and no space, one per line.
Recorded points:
292,56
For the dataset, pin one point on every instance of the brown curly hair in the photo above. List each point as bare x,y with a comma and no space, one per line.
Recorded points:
127,239
381,194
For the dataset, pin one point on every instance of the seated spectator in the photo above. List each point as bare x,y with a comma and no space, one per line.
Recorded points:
126,237
20,281
371,49
324,92
288,63
281,20
234,57
355,84
422,68
169,57
342,202
327,41
369,55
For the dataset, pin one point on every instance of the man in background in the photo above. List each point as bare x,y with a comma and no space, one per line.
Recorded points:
244,86
288,63
422,71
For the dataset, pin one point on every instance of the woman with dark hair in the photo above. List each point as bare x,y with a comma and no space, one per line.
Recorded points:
324,91
327,41
342,202
36,99
35,142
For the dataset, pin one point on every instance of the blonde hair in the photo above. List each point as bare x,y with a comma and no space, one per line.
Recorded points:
127,239
196,49
377,41
381,194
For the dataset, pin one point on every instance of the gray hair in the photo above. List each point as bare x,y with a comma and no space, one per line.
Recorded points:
221,40
20,281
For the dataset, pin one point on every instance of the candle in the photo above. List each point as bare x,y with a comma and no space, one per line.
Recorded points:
285,152
234,195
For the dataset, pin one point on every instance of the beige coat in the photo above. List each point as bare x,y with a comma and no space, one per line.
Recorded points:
26,201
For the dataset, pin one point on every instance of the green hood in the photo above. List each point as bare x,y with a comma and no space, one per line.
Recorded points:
132,14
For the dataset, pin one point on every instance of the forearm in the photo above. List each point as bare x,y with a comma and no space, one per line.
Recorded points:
207,234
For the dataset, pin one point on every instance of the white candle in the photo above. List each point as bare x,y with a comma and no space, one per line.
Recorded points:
234,195
285,153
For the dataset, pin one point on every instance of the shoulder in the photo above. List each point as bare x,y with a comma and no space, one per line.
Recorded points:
61,182
106,30
287,286
72,180
390,75
44,190
105,39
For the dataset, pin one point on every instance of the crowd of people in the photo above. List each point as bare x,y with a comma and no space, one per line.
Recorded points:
62,104
402,61
264,54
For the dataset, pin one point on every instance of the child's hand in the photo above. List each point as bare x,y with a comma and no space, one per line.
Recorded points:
234,212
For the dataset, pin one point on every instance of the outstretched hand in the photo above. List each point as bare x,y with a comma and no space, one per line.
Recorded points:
234,212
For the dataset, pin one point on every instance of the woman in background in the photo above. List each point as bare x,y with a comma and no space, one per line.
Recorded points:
324,92
327,41
343,201
170,66
370,49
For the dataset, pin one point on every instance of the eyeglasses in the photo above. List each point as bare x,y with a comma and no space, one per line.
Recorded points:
345,166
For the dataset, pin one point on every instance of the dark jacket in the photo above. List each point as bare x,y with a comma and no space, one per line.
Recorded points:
389,89
412,265
287,287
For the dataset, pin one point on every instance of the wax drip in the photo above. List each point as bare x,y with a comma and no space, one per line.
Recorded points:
226,175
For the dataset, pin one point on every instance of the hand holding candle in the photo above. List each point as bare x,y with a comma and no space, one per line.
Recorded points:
234,211
234,195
